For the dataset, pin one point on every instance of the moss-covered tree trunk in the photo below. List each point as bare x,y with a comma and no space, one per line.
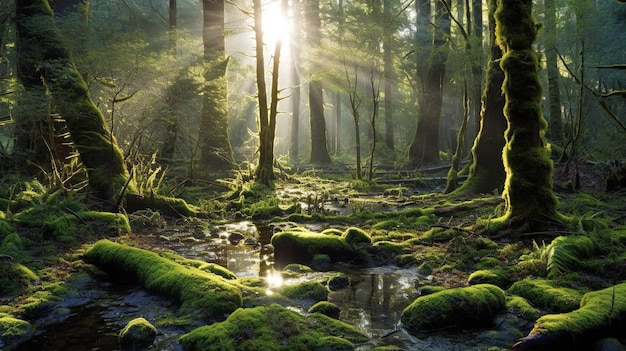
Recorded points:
556,134
319,149
487,171
216,153
97,147
530,202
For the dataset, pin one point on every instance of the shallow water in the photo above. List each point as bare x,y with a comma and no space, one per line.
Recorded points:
373,302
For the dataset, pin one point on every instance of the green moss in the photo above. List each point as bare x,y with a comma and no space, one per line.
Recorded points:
458,307
295,270
13,330
199,291
338,281
600,314
546,294
496,276
521,307
138,332
356,236
273,328
305,290
201,265
15,278
327,308
297,246
13,245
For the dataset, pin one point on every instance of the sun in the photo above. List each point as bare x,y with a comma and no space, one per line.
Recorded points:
275,24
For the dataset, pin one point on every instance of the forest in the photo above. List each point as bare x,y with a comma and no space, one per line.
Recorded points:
312,175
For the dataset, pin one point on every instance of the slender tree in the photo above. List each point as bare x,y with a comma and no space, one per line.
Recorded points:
388,76
319,149
555,131
530,201
295,76
215,151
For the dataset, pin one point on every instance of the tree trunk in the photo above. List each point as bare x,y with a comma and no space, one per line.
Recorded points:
97,147
173,36
216,153
530,202
389,81
425,146
487,171
477,64
319,149
294,151
555,130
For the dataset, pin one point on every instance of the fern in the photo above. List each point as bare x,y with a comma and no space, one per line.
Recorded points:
564,253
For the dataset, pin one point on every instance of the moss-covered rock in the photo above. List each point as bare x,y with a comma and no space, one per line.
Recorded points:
326,308
273,328
13,331
304,291
137,333
300,246
198,291
520,307
14,278
601,314
458,307
495,276
356,236
338,281
547,294
295,270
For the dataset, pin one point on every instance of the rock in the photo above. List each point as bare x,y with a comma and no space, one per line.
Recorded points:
235,238
454,308
608,344
495,276
273,327
305,291
546,294
338,281
356,236
138,333
13,331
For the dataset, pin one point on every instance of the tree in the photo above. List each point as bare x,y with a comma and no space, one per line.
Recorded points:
486,170
389,76
425,146
530,201
215,150
319,149
554,93
97,147
295,55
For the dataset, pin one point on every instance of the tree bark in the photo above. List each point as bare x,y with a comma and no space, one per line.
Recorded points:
97,147
319,149
555,130
294,152
530,201
216,153
487,171
425,146
389,80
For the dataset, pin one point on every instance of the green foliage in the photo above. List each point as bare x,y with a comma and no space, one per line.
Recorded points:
15,278
273,328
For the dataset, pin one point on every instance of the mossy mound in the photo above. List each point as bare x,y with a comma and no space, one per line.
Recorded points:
356,236
273,328
13,330
306,290
495,276
546,294
295,270
326,308
198,291
14,278
300,246
520,307
601,314
454,308
137,333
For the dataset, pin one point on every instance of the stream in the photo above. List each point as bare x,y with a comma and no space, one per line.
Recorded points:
90,319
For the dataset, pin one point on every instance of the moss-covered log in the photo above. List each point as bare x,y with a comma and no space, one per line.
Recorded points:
273,328
198,291
601,314
530,202
97,147
454,308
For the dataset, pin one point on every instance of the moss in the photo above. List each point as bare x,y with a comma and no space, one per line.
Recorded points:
600,314
15,278
206,293
13,330
327,308
338,281
546,294
297,246
137,333
169,206
356,236
305,290
201,265
14,246
273,328
295,270
497,276
458,307
521,307
564,253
